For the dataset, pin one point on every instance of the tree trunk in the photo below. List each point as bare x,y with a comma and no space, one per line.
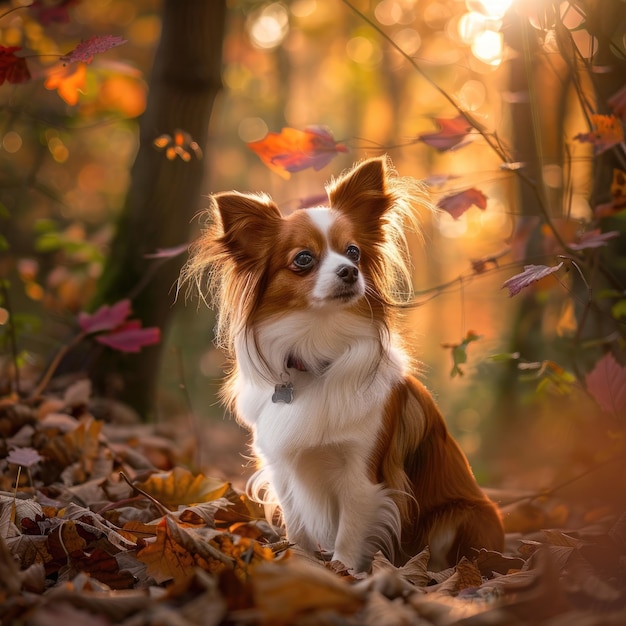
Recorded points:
164,194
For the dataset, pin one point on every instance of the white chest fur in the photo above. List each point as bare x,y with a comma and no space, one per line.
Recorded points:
315,450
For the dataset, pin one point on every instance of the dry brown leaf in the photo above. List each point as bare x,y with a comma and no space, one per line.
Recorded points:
469,575
380,610
285,590
415,569
164,557
489,561
181,487
559,538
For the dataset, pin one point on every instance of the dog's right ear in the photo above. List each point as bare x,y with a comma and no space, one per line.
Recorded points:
249,223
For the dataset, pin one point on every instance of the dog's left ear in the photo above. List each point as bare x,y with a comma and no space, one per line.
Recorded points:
362,192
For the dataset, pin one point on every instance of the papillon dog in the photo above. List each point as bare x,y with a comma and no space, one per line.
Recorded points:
349,442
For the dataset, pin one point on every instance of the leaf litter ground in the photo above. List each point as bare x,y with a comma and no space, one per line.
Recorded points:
103,522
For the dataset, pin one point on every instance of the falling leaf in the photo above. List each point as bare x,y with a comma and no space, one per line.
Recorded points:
459,352
105,318
607,384
594,239
180,486
450,134
607,132
13,69
85,50
130,337
530,274
294,150
26,457
46,13
68,81
456,204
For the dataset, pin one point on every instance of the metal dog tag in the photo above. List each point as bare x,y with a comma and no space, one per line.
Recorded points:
283,392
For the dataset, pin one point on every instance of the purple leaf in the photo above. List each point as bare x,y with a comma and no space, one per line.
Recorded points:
450,134
594,239
530,274
97,44
607,384
130,337
456,204
105,318
26,457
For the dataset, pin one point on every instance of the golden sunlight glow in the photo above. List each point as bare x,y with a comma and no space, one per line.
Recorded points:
269,26
488,47
492,8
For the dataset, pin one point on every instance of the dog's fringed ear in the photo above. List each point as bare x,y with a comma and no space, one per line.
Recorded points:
362,192
248,223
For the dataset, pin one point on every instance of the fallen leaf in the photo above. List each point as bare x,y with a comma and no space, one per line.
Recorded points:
286,590
450,134
531,274
181,487
294,150
164,557
469,575
456,204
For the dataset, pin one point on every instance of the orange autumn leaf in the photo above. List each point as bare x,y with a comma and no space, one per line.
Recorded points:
164,557
293,150
180,486
68,81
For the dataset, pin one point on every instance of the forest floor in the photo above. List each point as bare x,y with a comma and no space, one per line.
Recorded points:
118,522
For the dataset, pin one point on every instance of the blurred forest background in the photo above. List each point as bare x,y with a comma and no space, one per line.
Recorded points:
512,111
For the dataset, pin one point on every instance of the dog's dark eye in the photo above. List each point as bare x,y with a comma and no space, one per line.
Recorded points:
353,253
304,260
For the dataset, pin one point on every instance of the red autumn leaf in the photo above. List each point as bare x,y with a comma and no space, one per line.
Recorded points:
456,204
531,274
607,132
294,150
450,134
13,69
130,337
105,318
97,44
607,384
46,13
594,239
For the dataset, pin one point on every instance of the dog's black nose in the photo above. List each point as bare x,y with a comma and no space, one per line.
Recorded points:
348,273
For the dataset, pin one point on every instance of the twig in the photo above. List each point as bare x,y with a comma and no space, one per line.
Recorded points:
162,509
